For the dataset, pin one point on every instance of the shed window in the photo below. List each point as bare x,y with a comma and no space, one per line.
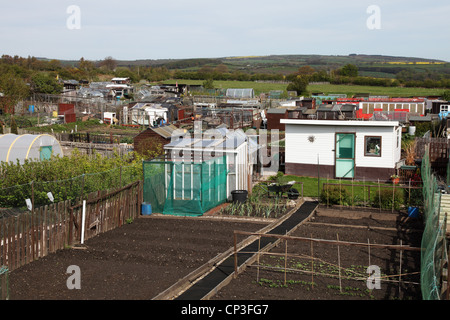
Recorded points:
372,146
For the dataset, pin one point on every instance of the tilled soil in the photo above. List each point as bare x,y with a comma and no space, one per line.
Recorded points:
299,283
136,261
139,260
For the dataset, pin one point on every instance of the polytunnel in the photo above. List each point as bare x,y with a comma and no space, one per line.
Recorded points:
28,146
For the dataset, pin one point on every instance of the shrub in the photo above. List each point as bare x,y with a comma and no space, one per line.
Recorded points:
386,199
335,195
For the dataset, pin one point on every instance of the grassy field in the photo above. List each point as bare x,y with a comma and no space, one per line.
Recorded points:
350,90
256,86
311,189
348,192
383,91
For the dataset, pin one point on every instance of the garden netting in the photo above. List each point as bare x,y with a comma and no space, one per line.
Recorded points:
186,189
433,245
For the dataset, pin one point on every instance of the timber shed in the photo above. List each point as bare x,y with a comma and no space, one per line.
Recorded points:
153,139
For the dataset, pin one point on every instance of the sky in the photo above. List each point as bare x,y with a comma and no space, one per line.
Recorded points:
176,29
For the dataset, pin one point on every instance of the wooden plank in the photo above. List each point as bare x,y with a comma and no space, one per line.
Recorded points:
60,229
2,244
9,264
45,231
40,213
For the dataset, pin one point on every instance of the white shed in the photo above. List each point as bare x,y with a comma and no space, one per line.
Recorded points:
27,146
369,150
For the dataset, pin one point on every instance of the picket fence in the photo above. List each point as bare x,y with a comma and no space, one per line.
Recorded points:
33,235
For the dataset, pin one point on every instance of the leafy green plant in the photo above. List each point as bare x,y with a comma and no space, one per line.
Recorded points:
67,178
388,199
335,195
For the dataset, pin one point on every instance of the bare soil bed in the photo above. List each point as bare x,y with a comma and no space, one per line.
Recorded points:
134,262
139,260
298,282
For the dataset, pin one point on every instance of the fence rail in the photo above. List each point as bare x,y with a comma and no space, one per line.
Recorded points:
32,235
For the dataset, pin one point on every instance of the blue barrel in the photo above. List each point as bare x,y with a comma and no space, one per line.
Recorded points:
31,108
146,209
413,212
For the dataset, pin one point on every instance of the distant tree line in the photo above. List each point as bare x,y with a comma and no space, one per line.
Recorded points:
20,77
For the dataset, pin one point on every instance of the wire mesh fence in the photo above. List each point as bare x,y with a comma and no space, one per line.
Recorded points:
40,193
434,253
4,283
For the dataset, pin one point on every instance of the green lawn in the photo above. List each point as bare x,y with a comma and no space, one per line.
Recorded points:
350,90
310,188
388,91
349,192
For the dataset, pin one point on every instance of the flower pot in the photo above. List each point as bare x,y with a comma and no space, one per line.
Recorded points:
395,180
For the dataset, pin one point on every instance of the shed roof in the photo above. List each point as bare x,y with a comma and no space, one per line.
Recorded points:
355,123
276,111
166,131
232,140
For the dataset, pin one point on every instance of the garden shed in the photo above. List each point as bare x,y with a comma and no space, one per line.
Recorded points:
274,116
33,147
350,149
239,151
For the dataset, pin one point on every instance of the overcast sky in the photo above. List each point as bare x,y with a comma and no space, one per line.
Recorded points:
130,30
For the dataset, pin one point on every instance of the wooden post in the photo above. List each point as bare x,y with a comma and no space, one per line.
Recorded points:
235,256
285,261
339,263
32,220
393,198
400,272
3,238
120,177
312,263
379,194
257,259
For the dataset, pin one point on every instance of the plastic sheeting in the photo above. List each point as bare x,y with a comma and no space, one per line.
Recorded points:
33,147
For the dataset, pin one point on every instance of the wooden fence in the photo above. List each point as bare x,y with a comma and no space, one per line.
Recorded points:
439,153
30,236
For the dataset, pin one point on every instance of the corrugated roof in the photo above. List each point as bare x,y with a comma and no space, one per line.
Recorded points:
277,111
165,131
232,140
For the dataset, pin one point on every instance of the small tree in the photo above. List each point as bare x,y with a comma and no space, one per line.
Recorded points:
349,70
208,84
446,95
14,128
300,85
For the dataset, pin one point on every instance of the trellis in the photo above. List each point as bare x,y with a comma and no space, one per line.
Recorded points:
338,243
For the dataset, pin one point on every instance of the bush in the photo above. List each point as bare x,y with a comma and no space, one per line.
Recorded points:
66,177
386,199
335,195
